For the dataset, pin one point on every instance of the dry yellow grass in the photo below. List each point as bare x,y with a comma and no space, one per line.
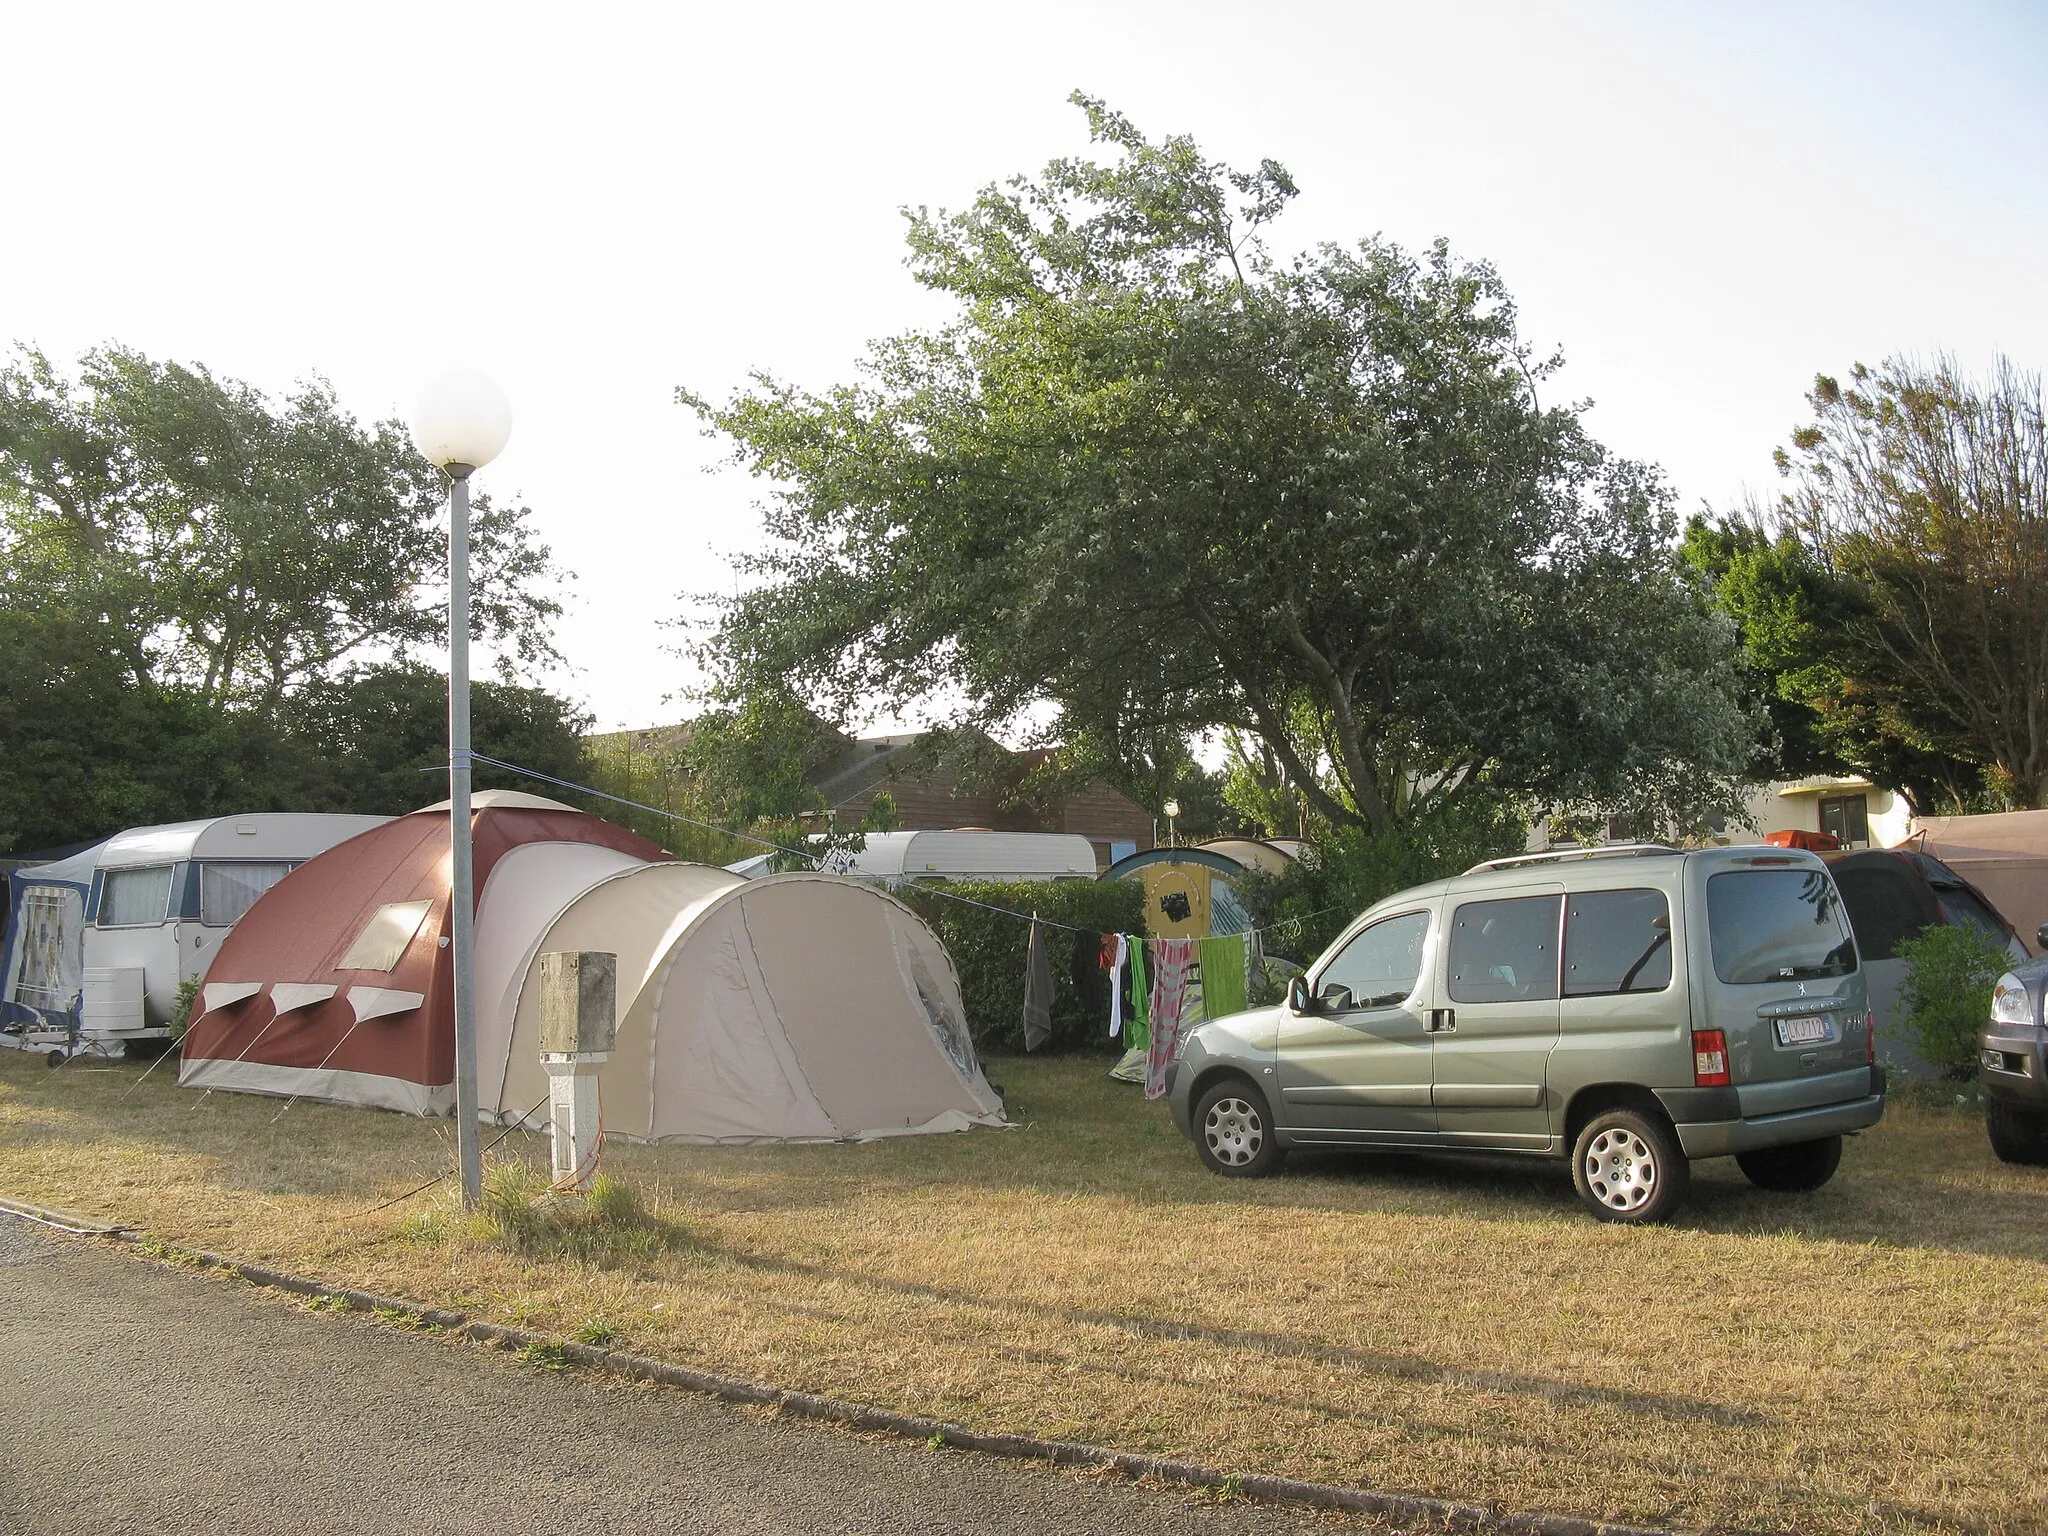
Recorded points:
1871,1357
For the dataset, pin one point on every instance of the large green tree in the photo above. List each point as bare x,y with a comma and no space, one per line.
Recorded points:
1165,482
237,545
208,599
1893,601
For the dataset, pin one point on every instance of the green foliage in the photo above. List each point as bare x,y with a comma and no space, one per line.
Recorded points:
369,740
181,1011
1801,627
242,545
989,950
1165,483
192,579
1340,876
1891,600
603,1225
1946,996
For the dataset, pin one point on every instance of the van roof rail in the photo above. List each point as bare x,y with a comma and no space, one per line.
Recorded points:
1558,855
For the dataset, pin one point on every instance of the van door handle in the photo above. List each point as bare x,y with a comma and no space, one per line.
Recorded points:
1443,1021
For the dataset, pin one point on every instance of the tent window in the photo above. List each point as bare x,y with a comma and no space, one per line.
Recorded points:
385,938
226,891
132,898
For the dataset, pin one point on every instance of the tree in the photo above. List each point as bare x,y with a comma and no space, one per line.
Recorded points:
1921,499
1165,483
1797,624
375,740
200,591
238,547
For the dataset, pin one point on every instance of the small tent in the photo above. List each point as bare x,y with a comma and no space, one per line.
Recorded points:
797,1007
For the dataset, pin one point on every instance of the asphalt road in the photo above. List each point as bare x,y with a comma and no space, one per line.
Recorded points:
135,1397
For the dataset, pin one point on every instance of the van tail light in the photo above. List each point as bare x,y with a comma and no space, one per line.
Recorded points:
1870,1038
1709,1058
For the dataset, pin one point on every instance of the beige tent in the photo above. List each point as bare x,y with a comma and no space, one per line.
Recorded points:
800,1007
2004,855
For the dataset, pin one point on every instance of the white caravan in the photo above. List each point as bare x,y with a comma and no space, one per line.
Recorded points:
97,944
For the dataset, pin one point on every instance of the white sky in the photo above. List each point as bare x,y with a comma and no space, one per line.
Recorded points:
1703,205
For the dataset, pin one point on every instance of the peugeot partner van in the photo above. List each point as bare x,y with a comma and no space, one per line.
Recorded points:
1629,1008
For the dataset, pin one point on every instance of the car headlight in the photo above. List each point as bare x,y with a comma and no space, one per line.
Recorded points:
2009,1001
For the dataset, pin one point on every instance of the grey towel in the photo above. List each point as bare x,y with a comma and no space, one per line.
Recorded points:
1037,990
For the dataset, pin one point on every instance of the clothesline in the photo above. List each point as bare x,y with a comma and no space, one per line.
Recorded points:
762,842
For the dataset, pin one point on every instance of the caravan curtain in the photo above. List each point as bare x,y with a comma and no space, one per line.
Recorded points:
134,897
226,891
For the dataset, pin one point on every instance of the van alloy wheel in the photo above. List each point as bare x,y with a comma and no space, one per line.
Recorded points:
1628,1166
1621,1169
1234,1130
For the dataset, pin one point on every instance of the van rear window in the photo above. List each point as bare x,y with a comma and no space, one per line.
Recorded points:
1777,925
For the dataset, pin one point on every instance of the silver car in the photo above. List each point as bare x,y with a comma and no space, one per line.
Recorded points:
1629,1008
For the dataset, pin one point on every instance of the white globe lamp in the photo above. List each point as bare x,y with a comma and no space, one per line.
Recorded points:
463,420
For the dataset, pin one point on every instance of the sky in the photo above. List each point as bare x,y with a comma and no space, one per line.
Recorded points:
1701,206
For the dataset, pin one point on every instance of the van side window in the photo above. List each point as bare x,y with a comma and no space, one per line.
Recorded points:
1616,941
1505,951
1379,967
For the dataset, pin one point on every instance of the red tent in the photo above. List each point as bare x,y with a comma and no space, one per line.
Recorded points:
338,981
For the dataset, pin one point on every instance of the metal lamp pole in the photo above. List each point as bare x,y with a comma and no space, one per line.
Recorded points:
462,422
461,882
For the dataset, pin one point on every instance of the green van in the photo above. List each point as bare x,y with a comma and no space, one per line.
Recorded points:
1631,1008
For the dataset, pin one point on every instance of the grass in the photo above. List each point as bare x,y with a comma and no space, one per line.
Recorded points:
1870,1357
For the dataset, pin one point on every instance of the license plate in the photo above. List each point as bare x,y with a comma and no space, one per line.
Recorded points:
1807,1029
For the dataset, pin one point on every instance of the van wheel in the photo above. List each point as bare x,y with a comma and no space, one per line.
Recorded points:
1234,1131
1794,1169
1628,1167
2016,1136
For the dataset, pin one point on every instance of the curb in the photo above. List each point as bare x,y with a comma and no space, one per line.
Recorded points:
1445,1514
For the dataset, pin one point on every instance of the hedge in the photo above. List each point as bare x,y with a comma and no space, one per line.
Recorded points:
989,951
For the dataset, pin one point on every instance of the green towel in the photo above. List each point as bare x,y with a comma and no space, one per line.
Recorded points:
1223,988
1138,1027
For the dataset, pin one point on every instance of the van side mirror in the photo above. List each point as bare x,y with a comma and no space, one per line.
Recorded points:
2041,937
1298,1000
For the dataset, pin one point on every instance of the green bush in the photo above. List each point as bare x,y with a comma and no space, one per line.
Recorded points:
1946,996
989,950
1347,871
181,1014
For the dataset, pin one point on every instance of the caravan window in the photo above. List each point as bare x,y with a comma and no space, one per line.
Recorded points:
226,891
134,897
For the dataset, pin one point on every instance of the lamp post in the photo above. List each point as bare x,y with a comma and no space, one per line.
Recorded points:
461,424
1172,809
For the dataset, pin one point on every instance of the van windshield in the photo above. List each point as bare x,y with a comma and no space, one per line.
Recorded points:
1777,925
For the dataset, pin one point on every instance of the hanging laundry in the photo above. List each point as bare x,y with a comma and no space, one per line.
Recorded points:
1223,975
1171,959
1113,951
1084,969
1138,1029
1037,989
